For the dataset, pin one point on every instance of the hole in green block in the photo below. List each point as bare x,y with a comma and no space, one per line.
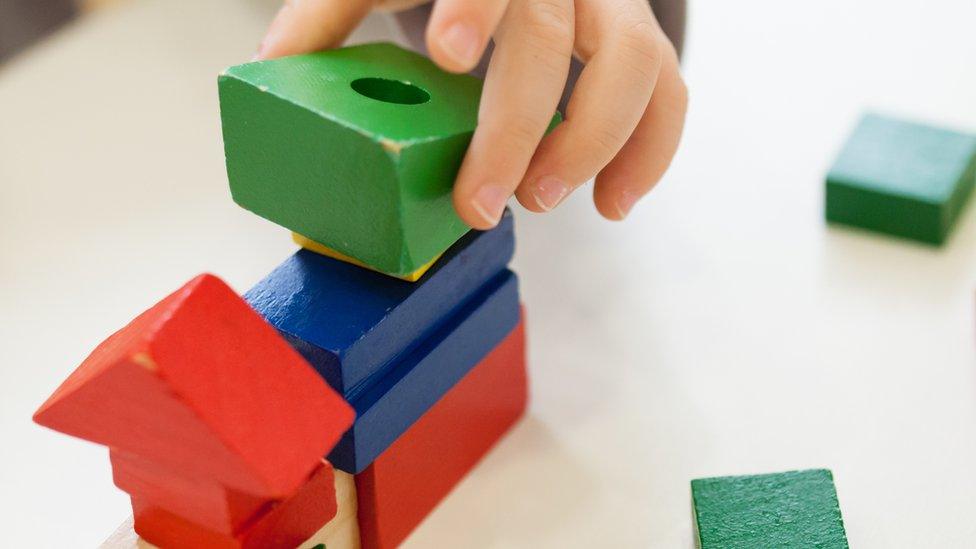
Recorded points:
390,91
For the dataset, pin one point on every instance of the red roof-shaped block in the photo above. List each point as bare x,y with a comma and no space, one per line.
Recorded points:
201,384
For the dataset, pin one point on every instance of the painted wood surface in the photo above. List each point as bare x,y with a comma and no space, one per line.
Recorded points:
285,525
322,249
392,404
198,500
342,532
902,178
791,509
417,471
352,324
356,148
203,385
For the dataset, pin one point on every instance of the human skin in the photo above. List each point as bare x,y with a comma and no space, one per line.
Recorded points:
623,121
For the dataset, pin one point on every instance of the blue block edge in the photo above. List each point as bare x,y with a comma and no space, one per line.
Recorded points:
391,405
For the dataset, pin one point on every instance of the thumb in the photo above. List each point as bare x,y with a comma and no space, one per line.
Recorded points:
303,26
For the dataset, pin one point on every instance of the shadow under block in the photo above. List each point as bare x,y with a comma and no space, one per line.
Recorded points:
356,148
203,386
284,526
352,325
342,532
391,405
322,249
200,501
417,471
792,509
901,178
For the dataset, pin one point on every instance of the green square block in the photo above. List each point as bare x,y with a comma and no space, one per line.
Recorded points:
355,148
902,178
779,510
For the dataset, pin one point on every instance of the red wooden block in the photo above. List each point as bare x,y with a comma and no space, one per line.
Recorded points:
202,385
413,475
284,525
200,501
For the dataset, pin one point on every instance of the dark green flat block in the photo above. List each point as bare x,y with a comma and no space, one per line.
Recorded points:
902,178
355,148
779,510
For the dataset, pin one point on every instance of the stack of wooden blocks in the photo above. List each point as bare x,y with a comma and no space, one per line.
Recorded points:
392,344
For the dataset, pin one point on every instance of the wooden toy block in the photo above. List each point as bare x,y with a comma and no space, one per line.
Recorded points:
200,501
390,406
409,479
342,532
322,249
203,386
352,325
902,178
355,148
285,525
792,509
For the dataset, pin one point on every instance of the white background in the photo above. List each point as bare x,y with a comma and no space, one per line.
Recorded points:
724,329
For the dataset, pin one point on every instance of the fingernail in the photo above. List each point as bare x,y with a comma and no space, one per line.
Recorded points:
460,43
489,202
548,192
626,201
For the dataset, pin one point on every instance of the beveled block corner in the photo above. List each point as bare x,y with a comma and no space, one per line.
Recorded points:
355,148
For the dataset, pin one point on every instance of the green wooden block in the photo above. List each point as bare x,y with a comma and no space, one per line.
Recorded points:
355,148
779,510
902,178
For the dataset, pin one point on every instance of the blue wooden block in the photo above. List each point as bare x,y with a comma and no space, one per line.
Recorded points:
353,324
391,405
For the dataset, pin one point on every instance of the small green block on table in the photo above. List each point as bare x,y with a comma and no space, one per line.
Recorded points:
792,509
355,148
901,178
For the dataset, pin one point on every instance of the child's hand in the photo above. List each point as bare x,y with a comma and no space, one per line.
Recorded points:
623,121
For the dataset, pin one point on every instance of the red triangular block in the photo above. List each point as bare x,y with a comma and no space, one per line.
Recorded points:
202,385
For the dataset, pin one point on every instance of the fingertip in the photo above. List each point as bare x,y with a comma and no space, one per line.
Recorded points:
527,201
483,208
625,202
543,194
456,47
614,204
311,25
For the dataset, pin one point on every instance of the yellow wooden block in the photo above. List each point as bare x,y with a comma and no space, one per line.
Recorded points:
342,532
314,246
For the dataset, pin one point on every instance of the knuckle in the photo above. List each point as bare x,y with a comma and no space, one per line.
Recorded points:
642,50
607,141
523,129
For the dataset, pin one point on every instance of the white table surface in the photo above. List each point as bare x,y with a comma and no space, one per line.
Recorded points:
722,330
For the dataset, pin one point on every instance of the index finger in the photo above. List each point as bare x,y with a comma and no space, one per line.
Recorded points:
458,32
525,79
302,26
